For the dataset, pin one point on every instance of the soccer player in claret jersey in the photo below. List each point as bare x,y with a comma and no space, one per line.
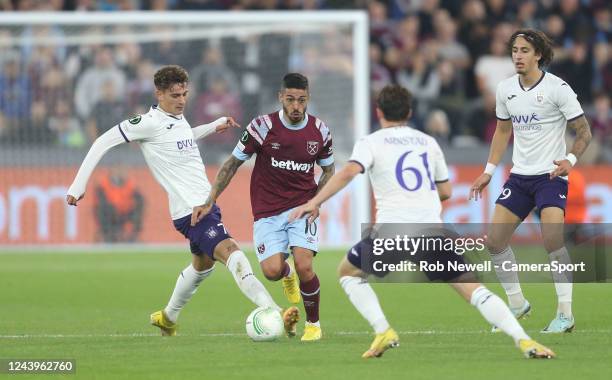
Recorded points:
537,106
288,143
398,146
169,146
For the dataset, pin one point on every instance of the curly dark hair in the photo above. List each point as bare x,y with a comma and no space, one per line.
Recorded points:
395,102
169,75
540,42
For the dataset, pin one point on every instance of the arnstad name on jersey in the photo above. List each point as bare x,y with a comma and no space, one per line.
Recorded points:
291,165
406,140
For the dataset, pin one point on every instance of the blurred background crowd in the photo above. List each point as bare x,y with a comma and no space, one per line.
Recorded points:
450,54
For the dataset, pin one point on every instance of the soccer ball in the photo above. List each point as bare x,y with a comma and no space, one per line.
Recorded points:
264,324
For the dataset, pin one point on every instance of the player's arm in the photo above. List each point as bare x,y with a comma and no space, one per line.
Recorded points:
103,144
501,137
328,172
336,183
224,177
445,190
583,137
220,125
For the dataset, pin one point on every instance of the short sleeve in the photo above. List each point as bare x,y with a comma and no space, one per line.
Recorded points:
440,170
362,154
326,157
501,111
247,145
137,128
567,100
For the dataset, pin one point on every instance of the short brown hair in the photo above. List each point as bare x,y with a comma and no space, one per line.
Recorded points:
169,75
540,42
395,102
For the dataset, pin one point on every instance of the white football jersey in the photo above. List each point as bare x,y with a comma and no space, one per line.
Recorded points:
539,117
404,166
172,154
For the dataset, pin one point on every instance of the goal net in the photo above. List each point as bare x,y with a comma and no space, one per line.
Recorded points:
66,78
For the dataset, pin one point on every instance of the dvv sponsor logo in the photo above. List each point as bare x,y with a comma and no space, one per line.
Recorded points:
291,165
526,122
185,144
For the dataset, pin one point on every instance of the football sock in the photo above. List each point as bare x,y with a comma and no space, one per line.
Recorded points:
186,285
310,294
362,296
286,269
563,282
251,287
495,311
508,279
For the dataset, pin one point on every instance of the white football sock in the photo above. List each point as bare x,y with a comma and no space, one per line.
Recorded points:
508,279
362,296
495,311
186,285
239,266
563,282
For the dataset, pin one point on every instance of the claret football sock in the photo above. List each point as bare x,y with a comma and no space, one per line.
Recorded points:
311,295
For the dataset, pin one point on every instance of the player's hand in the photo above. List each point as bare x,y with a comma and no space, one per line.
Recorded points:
563,168
479,185
306,209
230,123
199,212
72,201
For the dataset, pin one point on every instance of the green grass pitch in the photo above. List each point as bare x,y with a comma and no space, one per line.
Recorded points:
95,308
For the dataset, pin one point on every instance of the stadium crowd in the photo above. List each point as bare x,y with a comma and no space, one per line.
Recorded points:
450,54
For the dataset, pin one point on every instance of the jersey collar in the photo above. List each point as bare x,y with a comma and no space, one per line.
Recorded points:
156,107
536,83
293,127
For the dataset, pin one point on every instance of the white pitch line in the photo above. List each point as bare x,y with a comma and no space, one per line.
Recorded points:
145,335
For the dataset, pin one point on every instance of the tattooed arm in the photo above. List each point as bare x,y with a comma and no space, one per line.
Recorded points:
328,172
583,137
224,176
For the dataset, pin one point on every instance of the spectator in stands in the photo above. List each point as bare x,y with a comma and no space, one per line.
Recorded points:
422,80
106,113
446,38
213,104
15,97
141,88
451,97
67,128
438,126
576,70
119,207
211,67
89,85
600,119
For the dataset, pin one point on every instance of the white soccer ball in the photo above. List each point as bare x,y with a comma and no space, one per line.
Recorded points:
264,324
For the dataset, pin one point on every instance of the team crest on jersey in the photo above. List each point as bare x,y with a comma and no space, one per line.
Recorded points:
261,249
275,145
540,98
135,120
312,147
211,232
